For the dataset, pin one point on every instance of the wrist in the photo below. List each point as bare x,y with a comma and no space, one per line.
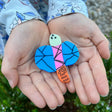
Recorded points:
66,17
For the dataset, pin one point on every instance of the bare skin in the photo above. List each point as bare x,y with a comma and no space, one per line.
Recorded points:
88,75
19,67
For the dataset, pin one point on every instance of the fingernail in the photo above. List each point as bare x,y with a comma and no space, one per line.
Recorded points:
59,105
104,95
52,108
11,83
89,104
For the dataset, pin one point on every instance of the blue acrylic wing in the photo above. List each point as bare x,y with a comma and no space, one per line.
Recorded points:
44,58
70,53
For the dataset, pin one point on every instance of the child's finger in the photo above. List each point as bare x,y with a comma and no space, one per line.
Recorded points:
99,74
79,86
53,85
26,86
60,84
40,83
9,65
101,42
88,82
70,85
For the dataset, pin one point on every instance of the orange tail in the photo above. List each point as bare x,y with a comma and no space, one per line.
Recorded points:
63,74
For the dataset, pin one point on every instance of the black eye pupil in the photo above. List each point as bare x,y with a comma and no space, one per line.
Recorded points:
53,36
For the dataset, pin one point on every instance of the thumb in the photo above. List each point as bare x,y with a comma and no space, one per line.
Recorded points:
101,42
9,65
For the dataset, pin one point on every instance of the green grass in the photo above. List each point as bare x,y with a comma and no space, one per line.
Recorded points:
12,100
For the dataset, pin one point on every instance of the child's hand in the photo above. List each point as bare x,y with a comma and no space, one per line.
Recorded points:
88,74
19,67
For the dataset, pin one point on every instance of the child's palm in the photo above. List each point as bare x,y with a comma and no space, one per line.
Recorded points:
88,74
19,67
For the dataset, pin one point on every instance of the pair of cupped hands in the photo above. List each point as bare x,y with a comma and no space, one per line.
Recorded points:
88,75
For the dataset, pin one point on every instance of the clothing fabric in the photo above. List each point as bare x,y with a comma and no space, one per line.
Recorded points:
14,12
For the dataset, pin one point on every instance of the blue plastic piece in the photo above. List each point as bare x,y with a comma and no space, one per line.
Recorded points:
44,58
70,53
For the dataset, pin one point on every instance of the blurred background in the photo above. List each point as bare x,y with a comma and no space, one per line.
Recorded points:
101,12
14,101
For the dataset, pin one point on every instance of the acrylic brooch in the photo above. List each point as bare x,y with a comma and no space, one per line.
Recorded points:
56,56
